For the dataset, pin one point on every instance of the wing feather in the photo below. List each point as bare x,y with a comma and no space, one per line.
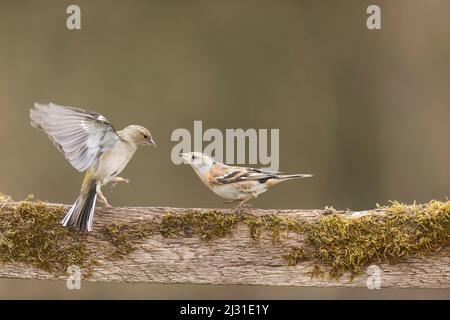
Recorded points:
82,136
236,174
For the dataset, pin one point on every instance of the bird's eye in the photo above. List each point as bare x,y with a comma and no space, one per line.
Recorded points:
145,136
193,157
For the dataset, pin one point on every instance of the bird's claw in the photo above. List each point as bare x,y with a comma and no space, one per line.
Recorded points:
104,202
118,180
241,207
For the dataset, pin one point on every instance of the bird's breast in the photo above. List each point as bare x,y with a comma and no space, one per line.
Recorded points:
113,161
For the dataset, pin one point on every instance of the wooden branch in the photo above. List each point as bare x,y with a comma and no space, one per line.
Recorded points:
233,259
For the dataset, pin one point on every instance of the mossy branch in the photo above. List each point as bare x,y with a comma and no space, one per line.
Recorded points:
409,243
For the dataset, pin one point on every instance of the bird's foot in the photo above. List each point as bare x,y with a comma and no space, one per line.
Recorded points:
105,203
240,208
117,180
103,199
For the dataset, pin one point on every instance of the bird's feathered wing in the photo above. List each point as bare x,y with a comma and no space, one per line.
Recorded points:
82,136
237,174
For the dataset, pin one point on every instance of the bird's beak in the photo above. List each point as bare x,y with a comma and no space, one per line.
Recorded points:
151,142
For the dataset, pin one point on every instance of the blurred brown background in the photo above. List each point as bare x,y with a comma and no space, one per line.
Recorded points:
367,112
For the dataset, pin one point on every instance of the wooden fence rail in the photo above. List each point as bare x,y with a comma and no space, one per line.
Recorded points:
219,246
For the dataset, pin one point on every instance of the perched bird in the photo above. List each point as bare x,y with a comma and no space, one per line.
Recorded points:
236,184
90,143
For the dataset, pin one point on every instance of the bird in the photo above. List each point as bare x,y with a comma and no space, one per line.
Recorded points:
91,145
235,184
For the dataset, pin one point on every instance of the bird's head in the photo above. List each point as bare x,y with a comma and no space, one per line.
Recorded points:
197,160
139,135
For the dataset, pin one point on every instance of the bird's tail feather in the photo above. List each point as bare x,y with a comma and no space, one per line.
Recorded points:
81,214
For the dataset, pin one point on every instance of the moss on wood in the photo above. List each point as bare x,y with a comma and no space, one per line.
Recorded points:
336,242
206,225
123,237
30,232
344,244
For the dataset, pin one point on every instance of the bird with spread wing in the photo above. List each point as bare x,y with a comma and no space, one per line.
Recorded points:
236,184
90,144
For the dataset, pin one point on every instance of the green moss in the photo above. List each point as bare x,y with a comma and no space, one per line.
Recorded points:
296,255
278,227
31,233
336,243
343,244
207,225
255,225
123,237
4,198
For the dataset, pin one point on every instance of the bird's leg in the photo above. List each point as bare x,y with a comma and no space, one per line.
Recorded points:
242,204
116,180
236,205
232,202
102,198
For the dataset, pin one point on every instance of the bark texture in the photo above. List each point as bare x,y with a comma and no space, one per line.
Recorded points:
233,259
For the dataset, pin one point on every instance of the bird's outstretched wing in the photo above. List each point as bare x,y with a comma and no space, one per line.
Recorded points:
82,136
